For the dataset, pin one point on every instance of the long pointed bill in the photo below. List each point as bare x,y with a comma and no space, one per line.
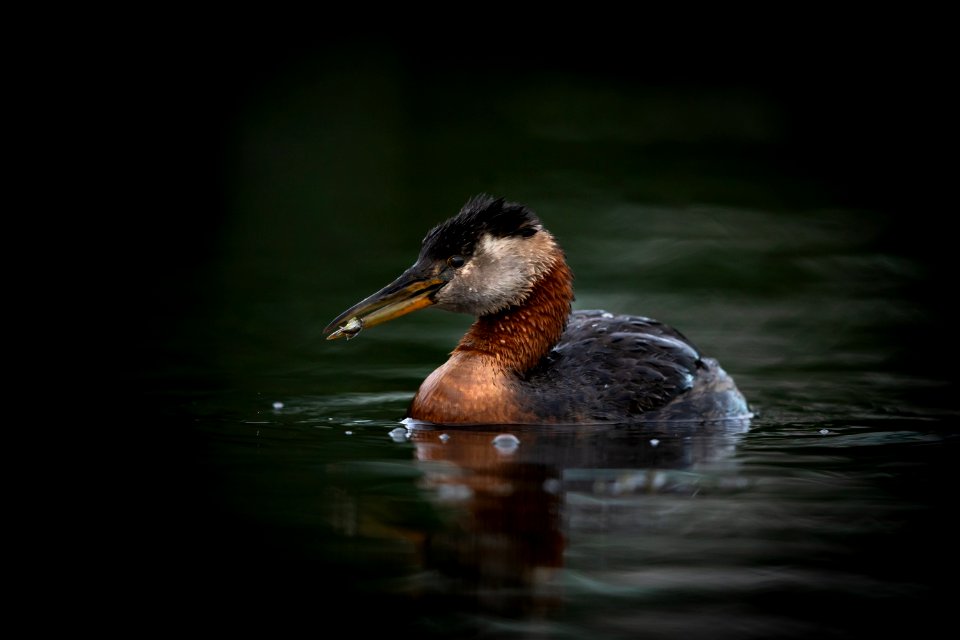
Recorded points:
411,291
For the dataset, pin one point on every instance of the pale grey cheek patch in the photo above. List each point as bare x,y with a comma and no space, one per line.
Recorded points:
501,272
507,265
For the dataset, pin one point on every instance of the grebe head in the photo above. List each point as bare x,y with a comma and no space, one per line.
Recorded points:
483,260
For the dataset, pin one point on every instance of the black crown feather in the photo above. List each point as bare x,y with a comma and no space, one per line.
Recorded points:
481,214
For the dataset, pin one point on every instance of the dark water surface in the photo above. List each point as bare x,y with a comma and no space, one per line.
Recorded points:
289,489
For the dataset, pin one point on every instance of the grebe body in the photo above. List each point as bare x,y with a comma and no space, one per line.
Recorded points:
527,359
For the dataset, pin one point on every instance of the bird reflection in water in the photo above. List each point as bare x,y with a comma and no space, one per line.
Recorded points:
515,494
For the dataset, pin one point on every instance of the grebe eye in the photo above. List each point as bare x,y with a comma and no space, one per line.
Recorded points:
455,261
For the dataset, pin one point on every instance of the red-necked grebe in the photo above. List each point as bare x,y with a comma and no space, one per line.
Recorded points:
527,359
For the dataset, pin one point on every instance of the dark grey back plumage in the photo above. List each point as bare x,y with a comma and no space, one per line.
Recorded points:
623,368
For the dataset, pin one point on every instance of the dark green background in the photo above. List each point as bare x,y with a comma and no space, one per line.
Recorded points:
778,201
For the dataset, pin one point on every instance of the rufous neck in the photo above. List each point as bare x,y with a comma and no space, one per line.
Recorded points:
519,336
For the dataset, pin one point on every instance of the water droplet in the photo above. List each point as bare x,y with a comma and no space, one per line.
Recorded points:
399,435
552,486
349,433
444,437
506,442
654,442
824,432
278,405
454,492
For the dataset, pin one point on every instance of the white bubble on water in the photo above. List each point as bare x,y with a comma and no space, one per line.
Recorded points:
506,442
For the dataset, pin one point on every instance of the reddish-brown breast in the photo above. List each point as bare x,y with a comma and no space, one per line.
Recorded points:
478,384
